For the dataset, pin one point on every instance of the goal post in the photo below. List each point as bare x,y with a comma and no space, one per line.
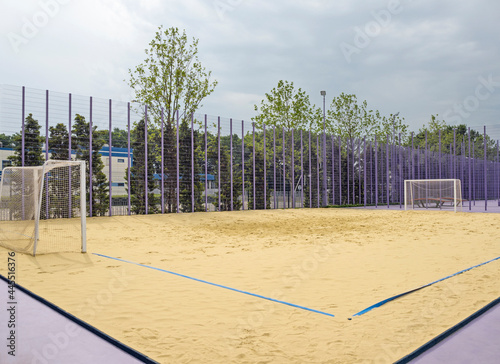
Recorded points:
433,193
43,208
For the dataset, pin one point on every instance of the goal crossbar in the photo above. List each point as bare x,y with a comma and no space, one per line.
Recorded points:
437,193
32,195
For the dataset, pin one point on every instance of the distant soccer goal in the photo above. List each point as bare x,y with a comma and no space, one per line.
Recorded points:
433,193
43,209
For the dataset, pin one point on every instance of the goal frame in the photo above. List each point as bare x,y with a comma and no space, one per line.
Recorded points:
39,177
457,192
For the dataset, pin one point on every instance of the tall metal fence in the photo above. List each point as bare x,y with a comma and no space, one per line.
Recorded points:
157,161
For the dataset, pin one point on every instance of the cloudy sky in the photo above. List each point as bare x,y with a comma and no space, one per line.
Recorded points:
414,57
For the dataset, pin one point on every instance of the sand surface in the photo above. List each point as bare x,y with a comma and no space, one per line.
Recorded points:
338,261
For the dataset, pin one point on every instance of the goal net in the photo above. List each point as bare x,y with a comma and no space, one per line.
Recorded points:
43,209
433,193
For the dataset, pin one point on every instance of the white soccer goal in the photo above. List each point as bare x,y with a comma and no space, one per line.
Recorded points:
433,193
43,209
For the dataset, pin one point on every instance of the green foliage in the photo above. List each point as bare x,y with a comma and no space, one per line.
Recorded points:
451,138
7,141
185,170
33,143
171,77
119,138
139,174
349,119
80,143
59,142
284,107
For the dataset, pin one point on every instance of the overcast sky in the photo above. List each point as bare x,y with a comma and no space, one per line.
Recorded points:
414,57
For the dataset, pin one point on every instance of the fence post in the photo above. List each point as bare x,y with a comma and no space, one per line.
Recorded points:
265,168
90,160
243,164
231,156
146,159
192,164
110,161
162,168
178,150
485,171
129,161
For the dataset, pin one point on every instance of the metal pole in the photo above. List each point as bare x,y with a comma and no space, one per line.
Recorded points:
292,187
192,164
284,169
387,170
128,160
325,194
110,161
231,161
90,160
146,160
177,163
218,164
274,167
162,178
206,166
485,171
243,164
265,168
254,189
376,172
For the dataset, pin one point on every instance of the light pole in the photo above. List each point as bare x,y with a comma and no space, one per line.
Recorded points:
325,194
394,126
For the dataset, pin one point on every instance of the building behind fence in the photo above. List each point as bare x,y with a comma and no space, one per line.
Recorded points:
206,163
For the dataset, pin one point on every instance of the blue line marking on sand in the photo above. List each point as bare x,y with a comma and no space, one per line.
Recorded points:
219,285
419,288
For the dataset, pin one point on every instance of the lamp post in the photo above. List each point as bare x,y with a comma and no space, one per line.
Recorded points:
325,193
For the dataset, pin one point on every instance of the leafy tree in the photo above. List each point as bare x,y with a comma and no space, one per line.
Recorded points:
33,143
171,80
119,138
80,142
285,107
350,119
7,141
59,142
449,135
139,175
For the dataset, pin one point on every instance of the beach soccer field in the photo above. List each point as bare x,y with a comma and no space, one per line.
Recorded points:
275,286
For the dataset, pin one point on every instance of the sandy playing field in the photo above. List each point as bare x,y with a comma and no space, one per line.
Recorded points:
339,261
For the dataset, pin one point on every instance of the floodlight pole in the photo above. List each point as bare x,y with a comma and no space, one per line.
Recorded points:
325,196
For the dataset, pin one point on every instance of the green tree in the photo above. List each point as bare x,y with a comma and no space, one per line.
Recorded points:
7,141
138,172
119,138
81,144
59,142
33,143
171,80
285,107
